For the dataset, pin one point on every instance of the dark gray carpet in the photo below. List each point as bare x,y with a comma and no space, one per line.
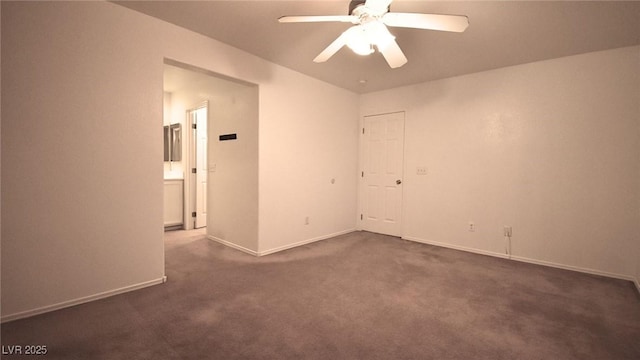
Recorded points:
357,296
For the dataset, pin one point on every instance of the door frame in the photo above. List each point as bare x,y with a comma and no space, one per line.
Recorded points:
190,178
361,162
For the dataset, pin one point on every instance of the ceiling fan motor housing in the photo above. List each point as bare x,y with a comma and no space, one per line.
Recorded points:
356,3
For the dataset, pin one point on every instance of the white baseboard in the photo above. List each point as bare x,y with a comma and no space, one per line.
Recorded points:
280,248
82,300
528,260
573,268
304,242
456,247
232,245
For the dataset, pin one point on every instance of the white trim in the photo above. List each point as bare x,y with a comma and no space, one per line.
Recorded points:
82,300
278,249
232,245
573,268
457,247
304,242
528,260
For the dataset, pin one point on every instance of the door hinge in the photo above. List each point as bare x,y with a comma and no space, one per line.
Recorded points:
193,214
194,126
361,217
363,130
362,174
194,170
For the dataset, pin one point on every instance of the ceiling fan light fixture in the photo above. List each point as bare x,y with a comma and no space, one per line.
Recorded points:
358,40
379,35
361,48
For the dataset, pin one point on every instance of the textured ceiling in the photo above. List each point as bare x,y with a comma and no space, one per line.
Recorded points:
501,33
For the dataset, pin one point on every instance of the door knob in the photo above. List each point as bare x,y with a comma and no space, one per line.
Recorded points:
398,182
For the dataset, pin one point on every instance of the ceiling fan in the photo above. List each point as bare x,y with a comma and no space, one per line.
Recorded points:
370,19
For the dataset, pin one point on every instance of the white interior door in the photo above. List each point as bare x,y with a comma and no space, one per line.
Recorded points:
383,156
200,121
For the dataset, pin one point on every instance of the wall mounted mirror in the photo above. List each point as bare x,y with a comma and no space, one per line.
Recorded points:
173,142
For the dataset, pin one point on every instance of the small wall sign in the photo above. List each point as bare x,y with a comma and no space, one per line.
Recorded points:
228,137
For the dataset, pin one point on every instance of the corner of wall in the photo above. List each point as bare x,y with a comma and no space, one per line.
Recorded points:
497,137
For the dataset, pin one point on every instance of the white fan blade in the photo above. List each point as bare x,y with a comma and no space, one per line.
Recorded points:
378,6
393,54
329,18
333,48
455,23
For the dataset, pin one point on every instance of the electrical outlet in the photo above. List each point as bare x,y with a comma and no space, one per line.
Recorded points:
507,231
421,170
472,226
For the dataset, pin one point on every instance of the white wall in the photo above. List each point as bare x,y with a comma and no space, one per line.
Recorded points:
82,108
82,149
233,186
549,148
306,142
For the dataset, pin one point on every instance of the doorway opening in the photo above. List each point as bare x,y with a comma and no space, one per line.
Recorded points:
218,168
186,115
